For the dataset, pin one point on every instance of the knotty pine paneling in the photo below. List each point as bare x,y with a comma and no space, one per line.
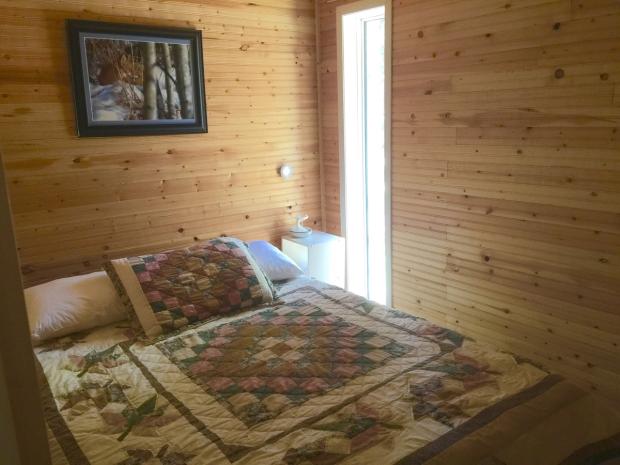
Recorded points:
78,202
506,173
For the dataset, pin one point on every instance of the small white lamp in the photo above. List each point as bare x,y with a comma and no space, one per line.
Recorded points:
285,171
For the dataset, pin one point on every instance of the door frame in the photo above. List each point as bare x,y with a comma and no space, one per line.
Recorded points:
340,12
22,423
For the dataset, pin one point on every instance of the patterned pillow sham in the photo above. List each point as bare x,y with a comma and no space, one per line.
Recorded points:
169,290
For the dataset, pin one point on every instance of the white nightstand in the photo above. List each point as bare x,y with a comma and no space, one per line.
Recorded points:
320,255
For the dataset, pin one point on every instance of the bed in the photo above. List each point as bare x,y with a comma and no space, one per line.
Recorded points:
321,376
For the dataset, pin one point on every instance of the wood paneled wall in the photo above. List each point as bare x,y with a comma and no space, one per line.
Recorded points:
506,173
78,202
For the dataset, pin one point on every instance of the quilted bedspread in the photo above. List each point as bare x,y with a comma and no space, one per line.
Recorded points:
322,377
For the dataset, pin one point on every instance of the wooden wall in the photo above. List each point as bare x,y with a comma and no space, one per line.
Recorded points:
78,202
506,173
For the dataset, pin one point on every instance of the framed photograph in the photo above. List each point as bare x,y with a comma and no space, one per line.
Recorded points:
136,80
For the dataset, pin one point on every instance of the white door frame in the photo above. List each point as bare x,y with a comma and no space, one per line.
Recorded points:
340,12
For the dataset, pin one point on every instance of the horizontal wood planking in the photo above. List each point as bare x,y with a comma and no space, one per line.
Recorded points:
506,173
78,202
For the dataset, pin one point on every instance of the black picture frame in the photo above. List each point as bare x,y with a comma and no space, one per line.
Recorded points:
89,124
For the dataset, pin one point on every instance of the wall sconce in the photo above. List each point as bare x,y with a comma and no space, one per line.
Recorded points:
285,171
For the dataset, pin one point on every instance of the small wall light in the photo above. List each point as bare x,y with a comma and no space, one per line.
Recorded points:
285,171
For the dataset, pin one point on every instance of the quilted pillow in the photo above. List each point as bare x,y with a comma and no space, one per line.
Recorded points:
172,289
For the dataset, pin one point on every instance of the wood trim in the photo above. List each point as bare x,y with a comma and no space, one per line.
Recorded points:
26,414
339,66
388,149
319,107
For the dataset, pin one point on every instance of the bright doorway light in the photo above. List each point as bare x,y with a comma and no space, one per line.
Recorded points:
364,91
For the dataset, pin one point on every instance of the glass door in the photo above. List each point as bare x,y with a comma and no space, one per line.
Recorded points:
364,164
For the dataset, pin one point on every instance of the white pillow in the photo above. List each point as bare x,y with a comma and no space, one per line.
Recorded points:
274,263
67,305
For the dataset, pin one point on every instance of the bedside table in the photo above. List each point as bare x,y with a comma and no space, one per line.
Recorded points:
320,256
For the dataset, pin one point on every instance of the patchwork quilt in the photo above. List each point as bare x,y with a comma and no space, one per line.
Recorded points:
321,377
167,291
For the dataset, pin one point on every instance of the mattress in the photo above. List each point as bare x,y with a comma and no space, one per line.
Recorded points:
320,377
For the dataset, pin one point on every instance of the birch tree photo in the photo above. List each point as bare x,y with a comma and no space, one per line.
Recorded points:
139,80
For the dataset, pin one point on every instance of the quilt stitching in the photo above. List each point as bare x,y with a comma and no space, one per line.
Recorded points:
261,366
446,338
232,452
447,341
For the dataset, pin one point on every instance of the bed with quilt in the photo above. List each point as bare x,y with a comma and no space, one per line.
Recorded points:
314,375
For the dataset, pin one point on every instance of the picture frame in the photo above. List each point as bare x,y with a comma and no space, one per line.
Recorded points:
133,80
